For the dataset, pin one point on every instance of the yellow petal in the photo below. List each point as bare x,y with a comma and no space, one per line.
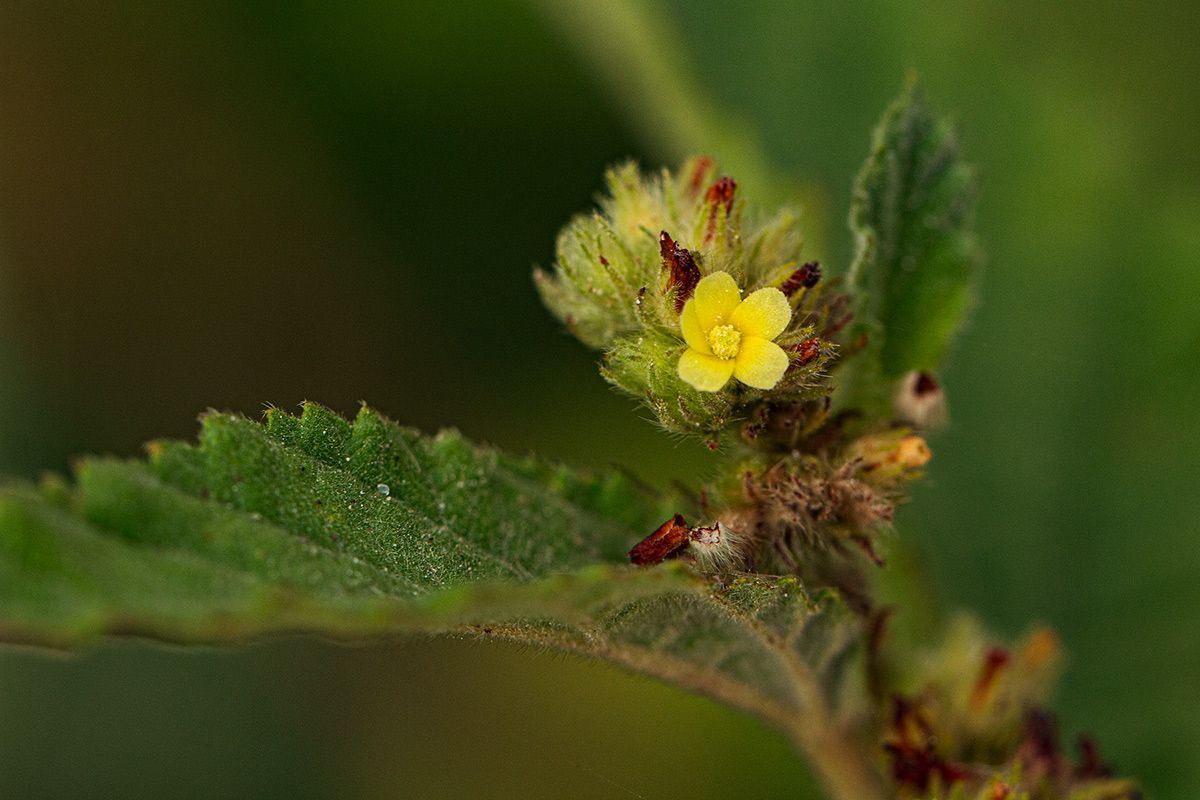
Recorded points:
764,314
706,373
716,296
693,334
760,363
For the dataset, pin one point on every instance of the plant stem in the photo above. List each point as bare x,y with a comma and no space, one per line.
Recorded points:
838,759
829,743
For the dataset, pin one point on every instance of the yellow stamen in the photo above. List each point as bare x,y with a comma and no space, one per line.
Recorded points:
724,341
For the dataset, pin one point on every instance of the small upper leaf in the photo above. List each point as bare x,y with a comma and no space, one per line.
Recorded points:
917,260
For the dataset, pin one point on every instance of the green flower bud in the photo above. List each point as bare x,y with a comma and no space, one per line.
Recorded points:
647,366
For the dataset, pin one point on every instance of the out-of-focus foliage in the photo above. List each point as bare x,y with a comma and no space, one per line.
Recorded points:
357,179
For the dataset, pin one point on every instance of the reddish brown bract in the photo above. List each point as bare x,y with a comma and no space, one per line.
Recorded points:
925,384
916,766
667,542
912,746
805,277
1090,764
704,166
719,194
722,192
806,351
993,662
684,274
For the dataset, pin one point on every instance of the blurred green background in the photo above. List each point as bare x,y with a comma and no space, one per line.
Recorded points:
211,203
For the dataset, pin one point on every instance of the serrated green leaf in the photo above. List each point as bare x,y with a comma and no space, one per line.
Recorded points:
917,260
315,524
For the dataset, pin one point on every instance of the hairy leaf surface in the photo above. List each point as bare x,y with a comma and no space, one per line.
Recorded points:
917,259
315,524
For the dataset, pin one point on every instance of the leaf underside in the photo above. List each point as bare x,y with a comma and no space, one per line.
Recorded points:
314,524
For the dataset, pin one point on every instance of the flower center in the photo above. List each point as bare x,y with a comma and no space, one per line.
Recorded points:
724,341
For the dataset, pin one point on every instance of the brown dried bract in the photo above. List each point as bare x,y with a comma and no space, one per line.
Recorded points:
916,766
837,316
704,165
668,541
919,400
805,277
913,748
1090,763
993,663
806,352
865,544
684,274
925,384
1038,752
719,194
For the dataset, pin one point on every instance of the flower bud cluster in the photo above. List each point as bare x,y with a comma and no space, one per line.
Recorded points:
713,322
667,249
973,724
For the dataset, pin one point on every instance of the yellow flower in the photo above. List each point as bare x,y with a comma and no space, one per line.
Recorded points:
727,335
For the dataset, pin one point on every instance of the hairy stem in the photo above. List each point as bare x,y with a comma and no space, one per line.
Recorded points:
838,759
830,745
